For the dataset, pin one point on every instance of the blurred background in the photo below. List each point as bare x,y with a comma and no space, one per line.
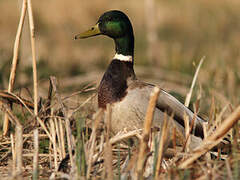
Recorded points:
170,39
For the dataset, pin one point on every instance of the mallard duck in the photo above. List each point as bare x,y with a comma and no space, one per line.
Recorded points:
120,87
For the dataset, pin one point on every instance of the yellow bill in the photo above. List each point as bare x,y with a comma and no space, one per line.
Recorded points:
94,31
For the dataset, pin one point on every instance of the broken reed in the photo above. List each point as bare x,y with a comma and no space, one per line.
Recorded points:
15,60
146,132
26,5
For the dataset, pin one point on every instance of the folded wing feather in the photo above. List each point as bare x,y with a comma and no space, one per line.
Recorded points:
171,105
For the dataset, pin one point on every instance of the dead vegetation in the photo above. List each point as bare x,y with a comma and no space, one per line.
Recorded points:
86,149
61,137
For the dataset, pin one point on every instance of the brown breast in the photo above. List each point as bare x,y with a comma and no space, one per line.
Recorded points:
114,82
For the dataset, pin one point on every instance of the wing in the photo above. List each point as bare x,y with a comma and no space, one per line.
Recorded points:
171,105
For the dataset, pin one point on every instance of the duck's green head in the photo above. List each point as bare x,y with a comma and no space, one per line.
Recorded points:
114,24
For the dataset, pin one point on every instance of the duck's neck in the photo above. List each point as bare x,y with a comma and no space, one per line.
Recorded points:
125,45
114,82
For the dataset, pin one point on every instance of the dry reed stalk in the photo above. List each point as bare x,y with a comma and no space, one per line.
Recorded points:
5,142
126,135
62,135
39,155
13,154
214,138
205,127
53,132
19,147
67,122
205,133
108,148
48,106
25,103
40,136
45,128
15,60
187,133
189,94
146,132
12,99
36,154
101,144
97,118
58,137
50,153
114,140
6,109
161,146
69,140
34,62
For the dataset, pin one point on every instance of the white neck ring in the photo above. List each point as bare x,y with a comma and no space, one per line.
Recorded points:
122,57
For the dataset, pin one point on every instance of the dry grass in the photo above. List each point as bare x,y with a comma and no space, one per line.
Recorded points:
100,151
180,33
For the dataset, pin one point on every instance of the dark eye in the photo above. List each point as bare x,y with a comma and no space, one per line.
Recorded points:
109,18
